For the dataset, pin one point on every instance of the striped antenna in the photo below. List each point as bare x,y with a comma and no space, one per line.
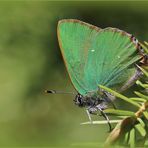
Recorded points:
58,92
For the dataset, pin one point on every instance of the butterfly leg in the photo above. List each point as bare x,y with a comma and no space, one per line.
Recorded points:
110,98
106,117
91,110
89,116
114,106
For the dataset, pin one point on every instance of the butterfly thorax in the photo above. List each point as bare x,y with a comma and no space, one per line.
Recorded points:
90,101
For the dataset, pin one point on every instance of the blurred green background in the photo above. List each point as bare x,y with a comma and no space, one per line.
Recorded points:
30,61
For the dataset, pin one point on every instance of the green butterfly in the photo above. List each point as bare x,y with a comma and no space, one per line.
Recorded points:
95,56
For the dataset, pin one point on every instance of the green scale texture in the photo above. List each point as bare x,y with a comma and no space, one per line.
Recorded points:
95,56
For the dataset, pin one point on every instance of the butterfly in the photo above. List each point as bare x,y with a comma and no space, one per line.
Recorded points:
95,56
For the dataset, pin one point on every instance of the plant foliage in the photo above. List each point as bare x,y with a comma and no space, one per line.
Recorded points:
132,129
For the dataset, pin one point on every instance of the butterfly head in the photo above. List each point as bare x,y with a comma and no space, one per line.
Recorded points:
86,101
89,101
79,100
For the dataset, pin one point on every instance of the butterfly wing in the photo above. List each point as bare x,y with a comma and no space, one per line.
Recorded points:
75,39
114,58
96,56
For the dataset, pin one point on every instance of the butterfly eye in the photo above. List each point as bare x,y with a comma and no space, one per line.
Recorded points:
78,100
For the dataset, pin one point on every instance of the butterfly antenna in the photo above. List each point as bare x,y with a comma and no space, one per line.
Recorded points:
58,92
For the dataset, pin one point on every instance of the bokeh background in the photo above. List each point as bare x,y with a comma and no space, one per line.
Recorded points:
30,61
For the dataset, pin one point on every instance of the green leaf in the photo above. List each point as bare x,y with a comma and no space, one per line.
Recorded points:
146,43
138,99
141,95
140,129
145,114
126,138
120,96
143,70
101,122
144,47
141,122
122,117
141,84
146,143
119,112
132,138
